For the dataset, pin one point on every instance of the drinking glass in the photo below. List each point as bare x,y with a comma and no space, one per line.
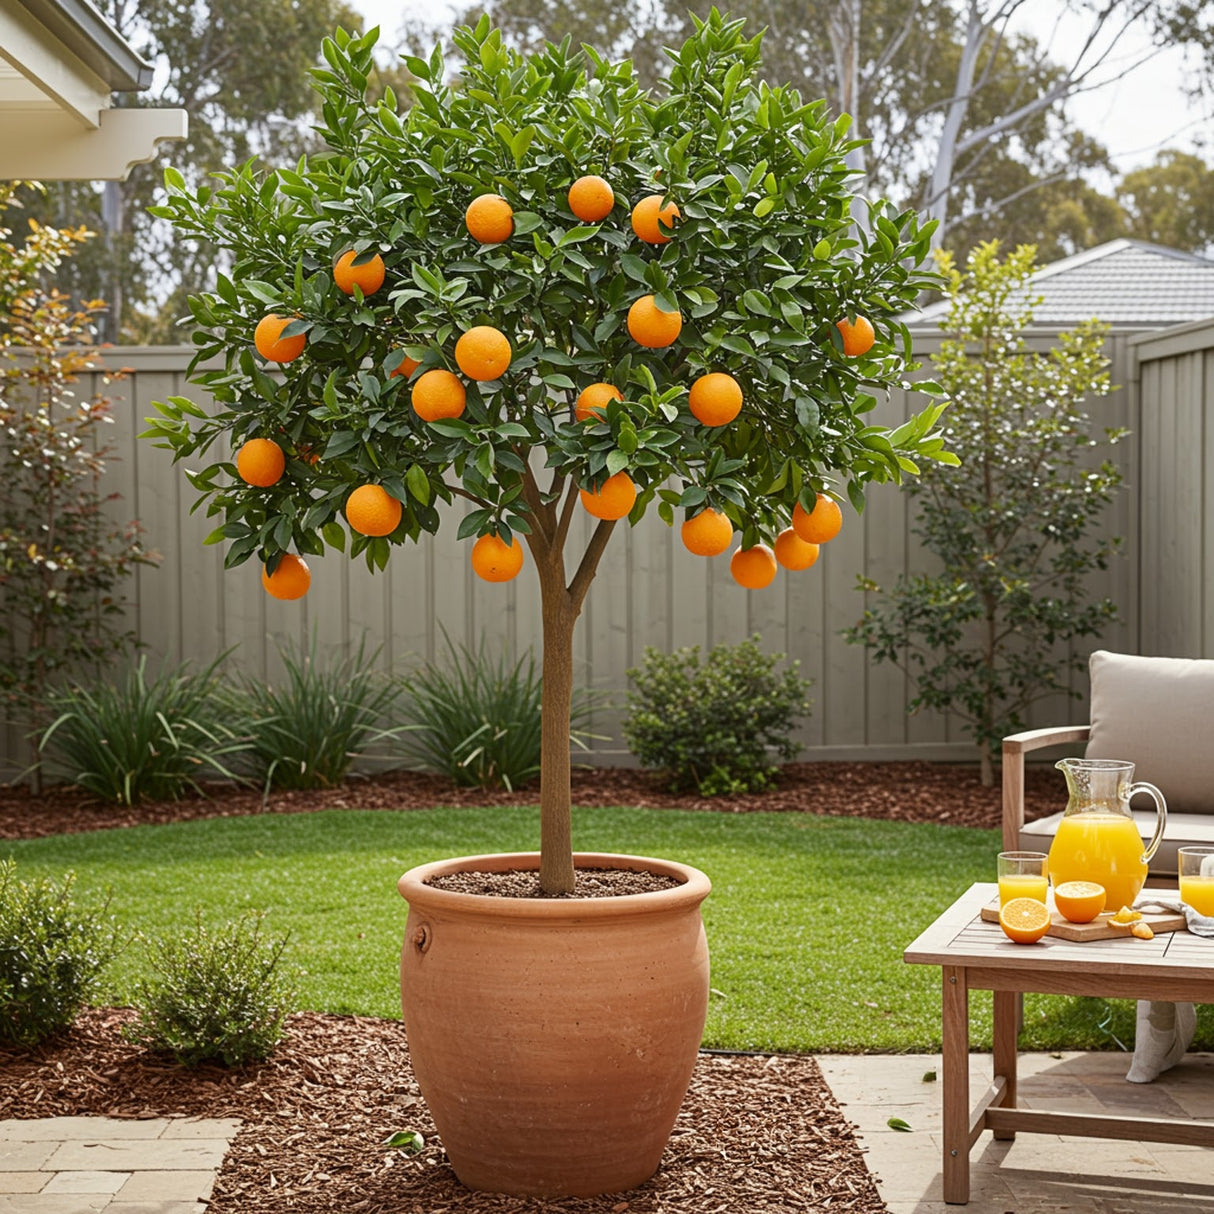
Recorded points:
1196,866
1022,874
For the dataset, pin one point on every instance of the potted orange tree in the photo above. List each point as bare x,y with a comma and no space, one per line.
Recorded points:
541,290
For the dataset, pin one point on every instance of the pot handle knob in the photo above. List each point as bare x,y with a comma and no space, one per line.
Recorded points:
420,937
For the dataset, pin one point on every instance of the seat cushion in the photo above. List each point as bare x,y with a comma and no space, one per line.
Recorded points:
1182,830
1157,713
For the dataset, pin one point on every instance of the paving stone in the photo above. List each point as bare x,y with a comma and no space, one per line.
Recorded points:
24,1156
202,1127
168,1186
155,1207
54,1203
86,1182
189,1154
62,1128
22,1182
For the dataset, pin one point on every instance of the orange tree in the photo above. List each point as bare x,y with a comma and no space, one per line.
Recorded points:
457,313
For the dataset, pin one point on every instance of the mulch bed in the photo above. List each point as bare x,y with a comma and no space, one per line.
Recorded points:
757,1134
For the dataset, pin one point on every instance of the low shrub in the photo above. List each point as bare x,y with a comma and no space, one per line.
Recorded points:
306,731
142,739
713,725
51,953
217,995
477,719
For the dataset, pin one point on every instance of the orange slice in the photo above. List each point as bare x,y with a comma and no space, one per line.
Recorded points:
1079,901
1142,931
1024,920
1125,916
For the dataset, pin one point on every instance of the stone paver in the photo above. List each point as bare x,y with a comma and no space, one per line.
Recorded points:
86,1182
131,1155
1035,1173
167,1186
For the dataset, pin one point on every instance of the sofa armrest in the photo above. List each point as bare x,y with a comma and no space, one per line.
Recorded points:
1015,747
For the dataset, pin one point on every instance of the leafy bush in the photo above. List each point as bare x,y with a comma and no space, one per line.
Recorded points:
217,996
51,953
141,739
305,732
710,725
477,720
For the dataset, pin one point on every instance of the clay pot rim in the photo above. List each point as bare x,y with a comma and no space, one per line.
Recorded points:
694,888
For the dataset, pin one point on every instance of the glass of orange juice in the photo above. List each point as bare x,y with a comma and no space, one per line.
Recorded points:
1022,875
1196,866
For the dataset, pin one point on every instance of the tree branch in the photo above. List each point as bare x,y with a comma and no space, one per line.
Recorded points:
590,562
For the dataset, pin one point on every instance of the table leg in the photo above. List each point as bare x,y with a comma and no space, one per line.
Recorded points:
955,1064
1007,1024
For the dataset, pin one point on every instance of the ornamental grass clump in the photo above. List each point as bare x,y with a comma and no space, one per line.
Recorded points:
714,725
52,951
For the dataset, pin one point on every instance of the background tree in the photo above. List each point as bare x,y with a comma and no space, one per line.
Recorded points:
982,637
457,222
62,560
1171,202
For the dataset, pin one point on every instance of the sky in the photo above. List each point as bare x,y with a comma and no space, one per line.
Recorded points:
1133,117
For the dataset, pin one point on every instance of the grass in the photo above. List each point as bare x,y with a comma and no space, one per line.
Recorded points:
807,921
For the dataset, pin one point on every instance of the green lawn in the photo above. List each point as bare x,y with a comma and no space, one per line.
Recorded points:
806,923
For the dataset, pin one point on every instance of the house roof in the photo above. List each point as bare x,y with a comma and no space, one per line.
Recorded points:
61,62
1128,283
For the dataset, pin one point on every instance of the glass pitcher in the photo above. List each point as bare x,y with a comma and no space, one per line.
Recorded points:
1097,839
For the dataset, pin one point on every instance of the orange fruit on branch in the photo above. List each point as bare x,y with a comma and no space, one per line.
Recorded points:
1024,920
793,552
754,567
290,580
489,219
592,401
437,394
496,561
649,326
652,221
1079,901
369,276
857,337
715,399
708,533
483,353
614,500
270,343
821,524
372,510
260,462
407,367
591,199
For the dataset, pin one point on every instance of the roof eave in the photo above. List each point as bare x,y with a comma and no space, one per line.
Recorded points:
87,34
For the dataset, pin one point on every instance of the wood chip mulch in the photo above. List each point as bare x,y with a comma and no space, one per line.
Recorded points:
757,1134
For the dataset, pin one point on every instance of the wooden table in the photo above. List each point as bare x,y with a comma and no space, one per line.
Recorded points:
974,955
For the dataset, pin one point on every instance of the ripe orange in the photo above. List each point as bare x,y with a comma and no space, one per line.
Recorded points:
483,353
858,338
821,524
372,510
652,221
438,394
369,276
1024,920
707,533
490,219
1079,901
273,347
407,367
591,199
260,462
793,552
754,567
290,580
592,401
715,399
494,561
650,326
614,500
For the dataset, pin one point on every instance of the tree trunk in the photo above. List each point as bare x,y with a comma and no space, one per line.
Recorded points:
986,769
556,835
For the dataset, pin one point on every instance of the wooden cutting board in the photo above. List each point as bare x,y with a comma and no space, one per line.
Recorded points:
1098,929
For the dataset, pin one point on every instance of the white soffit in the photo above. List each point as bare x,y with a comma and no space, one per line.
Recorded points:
60,64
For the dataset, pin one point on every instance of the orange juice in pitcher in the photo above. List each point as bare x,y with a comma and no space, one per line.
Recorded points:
1097,839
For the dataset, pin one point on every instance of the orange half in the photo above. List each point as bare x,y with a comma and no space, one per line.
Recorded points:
1079,901
1024,920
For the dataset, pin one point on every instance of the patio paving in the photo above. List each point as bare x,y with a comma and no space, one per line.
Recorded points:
1036,1173
87,1165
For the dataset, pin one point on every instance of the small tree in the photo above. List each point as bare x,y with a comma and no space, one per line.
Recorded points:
745,286
61,558
981,637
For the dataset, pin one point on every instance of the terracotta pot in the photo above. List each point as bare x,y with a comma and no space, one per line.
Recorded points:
553,1039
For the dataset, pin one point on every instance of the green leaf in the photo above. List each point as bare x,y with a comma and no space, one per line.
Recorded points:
409,1141
418,483
335,535
896,1123
617,461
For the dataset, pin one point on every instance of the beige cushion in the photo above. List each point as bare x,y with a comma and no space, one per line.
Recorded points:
1159,714
1182,830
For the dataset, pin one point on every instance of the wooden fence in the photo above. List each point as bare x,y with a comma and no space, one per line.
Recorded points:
649,591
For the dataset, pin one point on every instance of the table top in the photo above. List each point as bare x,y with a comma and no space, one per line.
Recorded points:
960,937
